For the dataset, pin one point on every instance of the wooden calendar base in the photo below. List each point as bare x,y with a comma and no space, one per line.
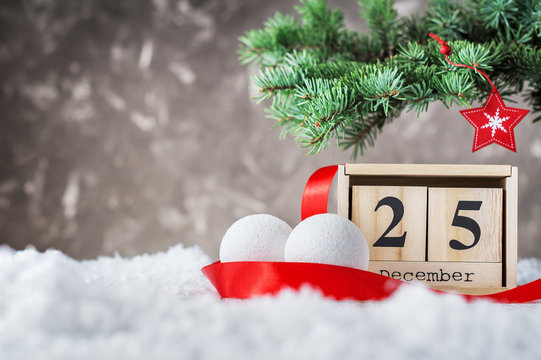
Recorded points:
451,227
444,275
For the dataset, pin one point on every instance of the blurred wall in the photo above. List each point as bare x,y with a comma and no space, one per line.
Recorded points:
128,126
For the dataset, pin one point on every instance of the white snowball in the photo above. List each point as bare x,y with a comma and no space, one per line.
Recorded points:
259,237
327,239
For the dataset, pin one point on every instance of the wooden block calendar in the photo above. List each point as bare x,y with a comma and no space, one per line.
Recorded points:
451,227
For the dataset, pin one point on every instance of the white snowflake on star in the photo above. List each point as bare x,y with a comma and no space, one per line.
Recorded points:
495,122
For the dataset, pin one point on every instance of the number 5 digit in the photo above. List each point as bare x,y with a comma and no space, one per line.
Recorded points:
466,223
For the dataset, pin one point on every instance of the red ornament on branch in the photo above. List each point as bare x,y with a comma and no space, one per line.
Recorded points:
494,122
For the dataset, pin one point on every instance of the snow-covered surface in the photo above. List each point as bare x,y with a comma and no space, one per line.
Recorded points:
160,307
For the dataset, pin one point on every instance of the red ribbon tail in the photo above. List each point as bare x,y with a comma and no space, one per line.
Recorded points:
526,293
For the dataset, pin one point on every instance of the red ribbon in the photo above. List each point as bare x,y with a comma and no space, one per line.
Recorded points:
247,279
316,191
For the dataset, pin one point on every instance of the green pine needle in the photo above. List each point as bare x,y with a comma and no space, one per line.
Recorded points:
327,82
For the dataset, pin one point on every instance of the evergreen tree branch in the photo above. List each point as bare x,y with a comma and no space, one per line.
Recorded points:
328,82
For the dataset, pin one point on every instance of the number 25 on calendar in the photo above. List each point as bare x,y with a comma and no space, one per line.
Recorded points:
415,223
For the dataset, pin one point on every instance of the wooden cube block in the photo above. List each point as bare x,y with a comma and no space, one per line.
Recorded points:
393,220
450,273
465,224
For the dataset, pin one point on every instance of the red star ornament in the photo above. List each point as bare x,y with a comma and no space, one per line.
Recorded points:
494,122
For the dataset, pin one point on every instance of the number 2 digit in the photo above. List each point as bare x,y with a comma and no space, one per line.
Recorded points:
398,212
466,223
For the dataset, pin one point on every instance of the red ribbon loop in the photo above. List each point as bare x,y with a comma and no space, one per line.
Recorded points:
316,191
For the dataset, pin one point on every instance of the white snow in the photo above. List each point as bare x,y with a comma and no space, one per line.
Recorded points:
160,306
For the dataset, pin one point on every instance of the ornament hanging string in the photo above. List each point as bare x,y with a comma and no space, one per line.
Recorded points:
446,50
500,116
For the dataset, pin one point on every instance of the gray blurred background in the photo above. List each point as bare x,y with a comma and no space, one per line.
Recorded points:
128,126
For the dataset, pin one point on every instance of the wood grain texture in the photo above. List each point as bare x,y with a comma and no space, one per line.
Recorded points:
511,229
373,223
343,192
444,275
442,206
451,170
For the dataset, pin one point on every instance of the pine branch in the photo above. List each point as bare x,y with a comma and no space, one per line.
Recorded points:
380,18
328,82
359,138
